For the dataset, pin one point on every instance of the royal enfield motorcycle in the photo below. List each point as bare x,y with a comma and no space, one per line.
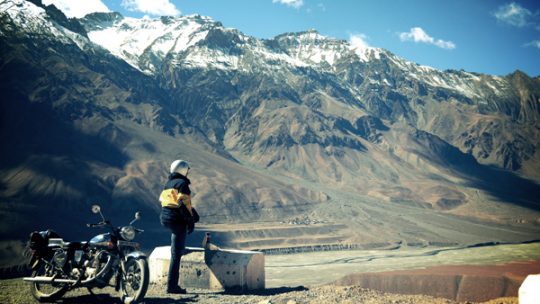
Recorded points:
108,259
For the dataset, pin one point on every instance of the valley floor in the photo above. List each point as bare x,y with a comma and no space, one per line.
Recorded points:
309,277
317,268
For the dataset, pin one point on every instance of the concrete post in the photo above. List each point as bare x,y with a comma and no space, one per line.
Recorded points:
219,269
529,292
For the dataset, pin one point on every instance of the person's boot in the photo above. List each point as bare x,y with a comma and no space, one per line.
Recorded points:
176,290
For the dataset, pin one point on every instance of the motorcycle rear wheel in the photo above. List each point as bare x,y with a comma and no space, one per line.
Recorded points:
135,281
47,292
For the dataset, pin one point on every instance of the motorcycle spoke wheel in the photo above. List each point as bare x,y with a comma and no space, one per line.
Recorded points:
48,289
47,292
135,279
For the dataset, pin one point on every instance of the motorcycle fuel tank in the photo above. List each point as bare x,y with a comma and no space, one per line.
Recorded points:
101,241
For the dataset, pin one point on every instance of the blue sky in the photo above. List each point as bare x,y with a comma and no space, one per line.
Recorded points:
486,36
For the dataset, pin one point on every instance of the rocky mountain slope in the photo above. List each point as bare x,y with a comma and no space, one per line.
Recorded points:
367,145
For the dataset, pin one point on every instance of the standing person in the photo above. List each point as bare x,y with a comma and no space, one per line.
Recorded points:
178,216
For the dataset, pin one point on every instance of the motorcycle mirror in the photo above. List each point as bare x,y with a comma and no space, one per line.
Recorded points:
96,209
137,217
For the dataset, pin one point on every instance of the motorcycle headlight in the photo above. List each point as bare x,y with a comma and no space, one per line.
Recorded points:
127,233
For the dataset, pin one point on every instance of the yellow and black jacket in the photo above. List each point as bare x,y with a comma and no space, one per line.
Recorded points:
175,201
176,192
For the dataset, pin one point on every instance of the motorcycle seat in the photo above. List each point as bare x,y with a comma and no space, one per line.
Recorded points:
58,242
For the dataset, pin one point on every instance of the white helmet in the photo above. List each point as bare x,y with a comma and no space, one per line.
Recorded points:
180,166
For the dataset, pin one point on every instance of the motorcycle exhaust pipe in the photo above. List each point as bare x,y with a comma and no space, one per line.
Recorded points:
49,280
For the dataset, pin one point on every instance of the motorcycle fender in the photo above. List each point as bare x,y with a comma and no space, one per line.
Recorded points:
135,254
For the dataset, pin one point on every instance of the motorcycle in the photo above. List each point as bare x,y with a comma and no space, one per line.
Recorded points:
59,266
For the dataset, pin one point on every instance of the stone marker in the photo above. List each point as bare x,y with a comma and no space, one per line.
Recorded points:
220,269
529,292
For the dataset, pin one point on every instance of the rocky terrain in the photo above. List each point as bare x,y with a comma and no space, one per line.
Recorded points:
299,141
300,295
474,276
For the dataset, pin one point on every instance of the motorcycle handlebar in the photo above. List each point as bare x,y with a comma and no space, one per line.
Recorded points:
101,224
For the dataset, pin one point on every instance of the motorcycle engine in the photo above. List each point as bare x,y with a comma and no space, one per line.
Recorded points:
94,266
60,258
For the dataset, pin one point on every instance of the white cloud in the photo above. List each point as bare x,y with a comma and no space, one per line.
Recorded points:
291,3
534,43
417,34
78,9
513,14
151,7
358,43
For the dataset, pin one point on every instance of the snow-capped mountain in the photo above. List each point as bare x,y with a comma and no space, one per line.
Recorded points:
23,18
145,44
164,45
276,128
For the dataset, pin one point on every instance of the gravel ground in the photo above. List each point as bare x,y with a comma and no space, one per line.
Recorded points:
15,291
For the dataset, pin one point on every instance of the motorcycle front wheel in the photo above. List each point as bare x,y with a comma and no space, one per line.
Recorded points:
47,292
135,280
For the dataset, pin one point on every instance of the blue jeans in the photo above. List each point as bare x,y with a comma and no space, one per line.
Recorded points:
178,244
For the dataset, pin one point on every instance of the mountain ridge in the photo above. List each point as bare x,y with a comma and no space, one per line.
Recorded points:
275,128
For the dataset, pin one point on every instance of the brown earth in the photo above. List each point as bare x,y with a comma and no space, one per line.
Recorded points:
16,292
461,283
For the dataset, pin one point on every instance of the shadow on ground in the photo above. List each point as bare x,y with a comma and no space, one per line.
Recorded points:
193,297
107,299
265,292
